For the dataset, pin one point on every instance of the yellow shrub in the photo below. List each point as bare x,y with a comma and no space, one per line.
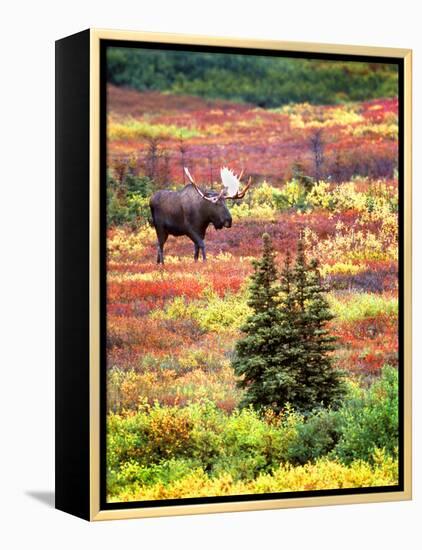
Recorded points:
263,195
128,244
221,314
320,196
355,243
138,129
343,268
389,130
324,474
362,305
215,313
304,115
346,197
242,211
178,308
260,204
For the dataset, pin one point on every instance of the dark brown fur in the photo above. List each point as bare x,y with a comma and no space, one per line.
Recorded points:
185,212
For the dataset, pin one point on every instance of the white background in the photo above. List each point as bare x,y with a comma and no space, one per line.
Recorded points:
28,31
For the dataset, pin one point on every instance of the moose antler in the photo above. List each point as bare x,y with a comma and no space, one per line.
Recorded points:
231,183
211,199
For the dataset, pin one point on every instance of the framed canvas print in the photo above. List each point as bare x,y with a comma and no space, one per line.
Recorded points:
233,274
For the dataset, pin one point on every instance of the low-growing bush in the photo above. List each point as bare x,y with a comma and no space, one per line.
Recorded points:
214,313
219,314
250,445
320,196
243,443
140,129
133,476
362,305
292,195
260,203
369,420
314,438
123,246
324,474
356,242
166,447
128,200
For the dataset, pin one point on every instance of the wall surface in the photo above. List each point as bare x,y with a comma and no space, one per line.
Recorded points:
27,268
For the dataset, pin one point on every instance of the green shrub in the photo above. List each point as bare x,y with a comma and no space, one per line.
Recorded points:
139,186
292,195
251,445
128,201
369,420
244,443
324,474
314,438
260,203
284,355
132,476
159,446
139,212
117,211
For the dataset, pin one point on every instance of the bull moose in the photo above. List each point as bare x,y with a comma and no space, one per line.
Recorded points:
190,211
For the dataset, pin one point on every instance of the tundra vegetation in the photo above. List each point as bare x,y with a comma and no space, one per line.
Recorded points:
184,419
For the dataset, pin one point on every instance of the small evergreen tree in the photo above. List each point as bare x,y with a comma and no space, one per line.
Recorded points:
285,354
320,383
256,352
281,380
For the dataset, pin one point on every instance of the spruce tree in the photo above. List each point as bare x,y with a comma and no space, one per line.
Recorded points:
285,355
281,379
256,352
327,381
320,384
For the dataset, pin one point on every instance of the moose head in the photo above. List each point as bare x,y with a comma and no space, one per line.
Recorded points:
218,212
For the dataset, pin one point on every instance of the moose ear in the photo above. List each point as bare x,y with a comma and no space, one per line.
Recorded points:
215,199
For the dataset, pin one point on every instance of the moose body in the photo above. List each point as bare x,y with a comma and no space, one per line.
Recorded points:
190,211
185,212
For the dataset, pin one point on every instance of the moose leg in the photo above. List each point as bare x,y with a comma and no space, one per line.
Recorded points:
161,239
160,255
204,256
199,245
